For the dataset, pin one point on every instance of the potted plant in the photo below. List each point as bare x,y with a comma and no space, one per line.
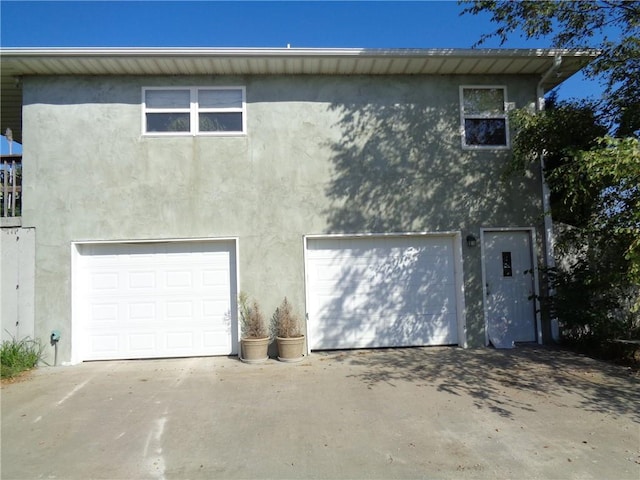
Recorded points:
254,339
288,332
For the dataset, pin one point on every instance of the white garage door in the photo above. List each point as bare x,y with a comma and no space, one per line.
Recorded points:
151,300
381,292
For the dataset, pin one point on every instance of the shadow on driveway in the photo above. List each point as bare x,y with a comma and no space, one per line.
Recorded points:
486,374
439,412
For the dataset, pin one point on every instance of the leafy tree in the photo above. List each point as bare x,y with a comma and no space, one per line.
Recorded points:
560,131
613,166
595,185
594,178
611,26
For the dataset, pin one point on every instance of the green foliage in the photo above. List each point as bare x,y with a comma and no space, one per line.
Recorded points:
252,321
612,27
286,322
611,168
17,356
614,167
560,131
595,186
594,297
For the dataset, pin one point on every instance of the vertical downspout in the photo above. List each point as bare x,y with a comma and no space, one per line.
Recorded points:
549,240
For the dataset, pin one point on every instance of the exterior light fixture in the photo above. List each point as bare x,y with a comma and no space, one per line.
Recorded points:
471,241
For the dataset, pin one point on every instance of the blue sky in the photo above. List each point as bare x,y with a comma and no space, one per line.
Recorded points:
381,24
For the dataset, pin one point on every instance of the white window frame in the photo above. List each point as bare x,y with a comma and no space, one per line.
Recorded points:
194,112
504,116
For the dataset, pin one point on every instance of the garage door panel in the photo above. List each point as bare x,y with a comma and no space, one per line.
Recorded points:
104,282
366,247
432,300
180,340
384,291
141,280
104,343
214,308
379,271
104,312
416,330
142,342
212,339
179,279
178,310
156,300
140,311
213,278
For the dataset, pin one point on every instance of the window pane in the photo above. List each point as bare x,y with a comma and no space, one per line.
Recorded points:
221,122
167,98
168,122
220,98
491,131
483,100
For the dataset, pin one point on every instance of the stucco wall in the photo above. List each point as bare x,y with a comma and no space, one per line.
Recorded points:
321,155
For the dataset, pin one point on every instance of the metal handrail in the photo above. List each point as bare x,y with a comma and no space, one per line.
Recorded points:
11,186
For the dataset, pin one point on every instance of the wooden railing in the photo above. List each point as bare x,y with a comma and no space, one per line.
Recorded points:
11,186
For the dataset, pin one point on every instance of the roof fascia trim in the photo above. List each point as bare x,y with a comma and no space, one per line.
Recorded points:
290,52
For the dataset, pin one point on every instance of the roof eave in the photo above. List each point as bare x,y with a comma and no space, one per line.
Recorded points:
17,62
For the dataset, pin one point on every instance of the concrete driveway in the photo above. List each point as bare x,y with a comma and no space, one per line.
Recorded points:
406,413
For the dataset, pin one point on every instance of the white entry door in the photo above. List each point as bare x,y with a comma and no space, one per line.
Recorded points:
509,288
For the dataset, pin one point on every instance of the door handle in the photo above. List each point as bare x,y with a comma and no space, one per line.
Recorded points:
487,289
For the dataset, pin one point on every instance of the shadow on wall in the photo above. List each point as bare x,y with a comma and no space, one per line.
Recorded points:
383,292
399,167
488,375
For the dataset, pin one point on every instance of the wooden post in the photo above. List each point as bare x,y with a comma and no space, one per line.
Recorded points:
5,189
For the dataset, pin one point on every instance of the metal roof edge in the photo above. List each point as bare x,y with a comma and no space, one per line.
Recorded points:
288,52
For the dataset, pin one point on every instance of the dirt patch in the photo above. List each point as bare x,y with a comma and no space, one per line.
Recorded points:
21,377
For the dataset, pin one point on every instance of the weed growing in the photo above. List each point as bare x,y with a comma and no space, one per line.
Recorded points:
17,356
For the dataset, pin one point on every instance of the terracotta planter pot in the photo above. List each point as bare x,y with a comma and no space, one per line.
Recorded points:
290,349
254,350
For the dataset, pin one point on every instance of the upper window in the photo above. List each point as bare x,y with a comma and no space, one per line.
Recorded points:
484,117
194,111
